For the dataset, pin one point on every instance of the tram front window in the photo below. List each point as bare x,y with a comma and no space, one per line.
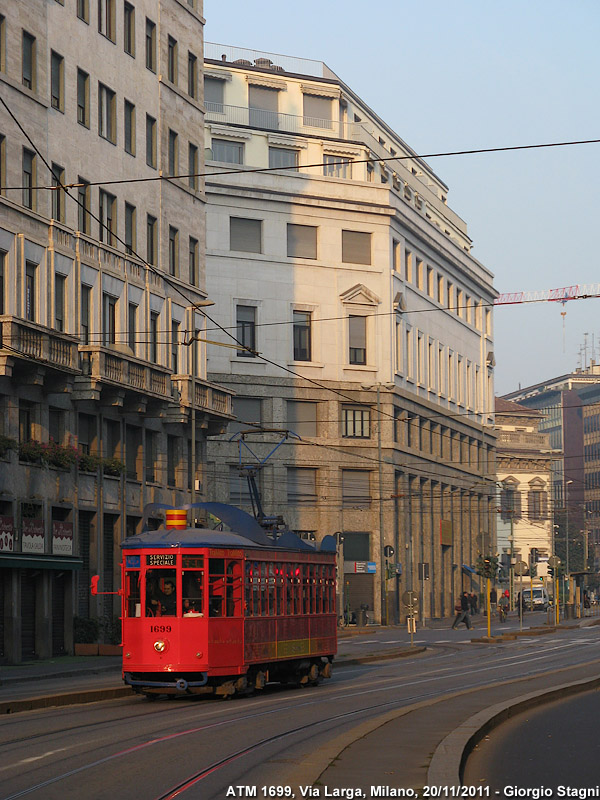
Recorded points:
161,593
192,593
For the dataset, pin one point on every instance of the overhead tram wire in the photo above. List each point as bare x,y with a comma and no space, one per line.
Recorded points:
473,151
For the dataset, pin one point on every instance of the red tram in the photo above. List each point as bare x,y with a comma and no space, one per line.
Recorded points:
225,611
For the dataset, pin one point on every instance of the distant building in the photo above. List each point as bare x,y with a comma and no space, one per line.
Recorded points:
366,329
571,407
96,394
524,466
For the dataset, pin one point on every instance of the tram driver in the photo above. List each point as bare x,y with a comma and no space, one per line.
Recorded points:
162,596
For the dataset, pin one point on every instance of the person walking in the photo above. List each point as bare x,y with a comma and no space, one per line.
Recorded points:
462,612
473,603
493,599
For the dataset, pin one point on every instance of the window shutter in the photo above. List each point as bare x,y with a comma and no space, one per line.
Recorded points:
301,241
262,98
245,234
317,110
356,247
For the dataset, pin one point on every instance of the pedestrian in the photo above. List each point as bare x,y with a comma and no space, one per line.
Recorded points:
493,599
462,612
473,603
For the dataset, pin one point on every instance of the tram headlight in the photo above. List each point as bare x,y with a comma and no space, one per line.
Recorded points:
160,646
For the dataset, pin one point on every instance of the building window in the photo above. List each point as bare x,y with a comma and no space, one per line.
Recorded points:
239,492
130,229
246,330
28,51
83,98
301,241
337,167
172,59
173,251
245,235
109,320
228,152
83,10
2,164
356,422
357,330
57,81
192,75
30,291
154,337
132,313
129,113
302,335
84,322
193,167
86,433
536,504
107,127
356,491
3,263
58,194
302,418
133,451
247,411
193,261
302,485
27,414
283,158
318,111
108,218
510,502
59,302
106,19
150,141
174,347
84,206
356,247
29,198
213,95
151,240
2,43
150,45
173,165
129,29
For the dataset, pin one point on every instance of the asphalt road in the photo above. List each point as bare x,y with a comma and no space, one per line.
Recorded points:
280,738
555,745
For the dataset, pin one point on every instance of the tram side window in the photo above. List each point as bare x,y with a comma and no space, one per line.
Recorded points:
280,589
192,593
216,587
133,606
289,588
233,596
248,610
271,585
161,593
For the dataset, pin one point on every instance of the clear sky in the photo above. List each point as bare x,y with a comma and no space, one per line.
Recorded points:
469,74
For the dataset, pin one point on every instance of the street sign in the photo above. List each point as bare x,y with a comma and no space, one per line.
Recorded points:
410,598
411,624
360,566
388,551
554,561
520,568
423,568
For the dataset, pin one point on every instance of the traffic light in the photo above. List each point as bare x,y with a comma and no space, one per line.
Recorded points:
550,572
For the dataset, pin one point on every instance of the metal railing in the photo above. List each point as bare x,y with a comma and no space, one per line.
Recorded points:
271,61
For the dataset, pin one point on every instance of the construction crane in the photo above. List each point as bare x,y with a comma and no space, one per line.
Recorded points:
575,292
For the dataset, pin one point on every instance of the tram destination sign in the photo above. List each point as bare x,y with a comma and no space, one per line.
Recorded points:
161,560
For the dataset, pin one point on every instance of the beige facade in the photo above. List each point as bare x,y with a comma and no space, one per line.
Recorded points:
96,389
367,324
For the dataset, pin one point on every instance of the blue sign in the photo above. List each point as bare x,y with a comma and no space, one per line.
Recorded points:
132,561
371,566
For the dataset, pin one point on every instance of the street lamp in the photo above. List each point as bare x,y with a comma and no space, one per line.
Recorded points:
383,588
567,545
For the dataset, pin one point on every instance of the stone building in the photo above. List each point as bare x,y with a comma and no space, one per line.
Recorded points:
364,327
524,463
99,393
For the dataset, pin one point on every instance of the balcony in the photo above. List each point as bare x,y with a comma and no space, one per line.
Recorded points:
521,440
26,343
209,400
103,367
275,121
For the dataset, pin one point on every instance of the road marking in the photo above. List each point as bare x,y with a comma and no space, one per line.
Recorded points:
34,758
392,641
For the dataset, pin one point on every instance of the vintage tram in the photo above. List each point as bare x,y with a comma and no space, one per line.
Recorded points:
223,611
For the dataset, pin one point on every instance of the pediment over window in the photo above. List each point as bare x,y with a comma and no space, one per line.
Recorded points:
360,295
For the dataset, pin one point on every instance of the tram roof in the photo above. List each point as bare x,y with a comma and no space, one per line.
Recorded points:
245,533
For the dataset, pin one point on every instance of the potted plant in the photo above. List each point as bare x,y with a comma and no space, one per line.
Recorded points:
6,445
32,452
85,636
88,462
113,467
59,456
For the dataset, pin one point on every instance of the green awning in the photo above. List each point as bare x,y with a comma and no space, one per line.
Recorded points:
39,561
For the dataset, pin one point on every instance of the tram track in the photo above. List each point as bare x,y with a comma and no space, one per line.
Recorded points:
334,694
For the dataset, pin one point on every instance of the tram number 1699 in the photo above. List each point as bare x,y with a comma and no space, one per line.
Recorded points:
160,629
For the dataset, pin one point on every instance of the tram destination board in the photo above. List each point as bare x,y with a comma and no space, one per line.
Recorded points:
160,560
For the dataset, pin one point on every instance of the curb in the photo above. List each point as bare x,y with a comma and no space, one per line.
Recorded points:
67,673
450,756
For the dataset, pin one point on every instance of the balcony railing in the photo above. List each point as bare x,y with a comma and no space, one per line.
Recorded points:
100,364
524,440
272,61
28,340
274,120
207,397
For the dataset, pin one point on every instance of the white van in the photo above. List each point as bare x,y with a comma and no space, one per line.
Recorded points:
540,598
